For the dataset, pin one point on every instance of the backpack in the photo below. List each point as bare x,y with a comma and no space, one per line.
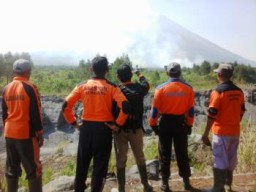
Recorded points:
135,98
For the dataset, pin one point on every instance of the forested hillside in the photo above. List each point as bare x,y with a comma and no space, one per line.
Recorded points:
60,80
61,139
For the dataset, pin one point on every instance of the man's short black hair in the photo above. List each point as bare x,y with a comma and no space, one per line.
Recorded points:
124,72
99,65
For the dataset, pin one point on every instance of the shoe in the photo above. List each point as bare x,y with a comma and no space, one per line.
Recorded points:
228,188
187,185
149,188
165,187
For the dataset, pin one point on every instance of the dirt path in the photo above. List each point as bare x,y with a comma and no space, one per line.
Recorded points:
241,183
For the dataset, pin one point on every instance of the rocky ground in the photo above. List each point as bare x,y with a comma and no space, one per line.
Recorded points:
242,183
55,158
61,144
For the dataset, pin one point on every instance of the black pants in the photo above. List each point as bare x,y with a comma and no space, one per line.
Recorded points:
172,130
95,142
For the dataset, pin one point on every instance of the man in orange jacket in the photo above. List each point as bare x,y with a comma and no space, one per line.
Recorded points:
174,102
225,111
95,140
23,129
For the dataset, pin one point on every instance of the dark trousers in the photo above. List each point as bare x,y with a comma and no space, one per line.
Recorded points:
172,130
95,142
25,152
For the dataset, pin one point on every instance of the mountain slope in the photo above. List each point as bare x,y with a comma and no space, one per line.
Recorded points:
159,43
165,40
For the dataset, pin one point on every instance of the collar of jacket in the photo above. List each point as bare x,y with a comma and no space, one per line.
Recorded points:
126,83
98,77
174,79
20,78
226,82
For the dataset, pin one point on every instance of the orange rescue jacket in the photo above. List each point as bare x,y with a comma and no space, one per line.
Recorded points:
173,97
97,96
226,107
22,112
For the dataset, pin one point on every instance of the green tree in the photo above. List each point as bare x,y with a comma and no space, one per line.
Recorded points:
196,69
205,68
156,77
84,70
124,59
1,65
6,62
244,74
214,66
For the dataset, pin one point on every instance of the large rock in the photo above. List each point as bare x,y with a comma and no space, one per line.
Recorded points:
52,114
62,183
53,119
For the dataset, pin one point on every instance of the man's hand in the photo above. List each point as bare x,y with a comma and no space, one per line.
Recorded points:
112,126
206,140
40,140
137,72
189,129
76,126
155,129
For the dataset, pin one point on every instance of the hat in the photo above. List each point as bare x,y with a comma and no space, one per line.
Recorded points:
124,72
224,69
21,65
174,68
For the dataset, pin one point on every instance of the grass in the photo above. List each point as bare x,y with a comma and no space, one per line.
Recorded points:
200,155
69,168
48,175
151,149
201,158
247,152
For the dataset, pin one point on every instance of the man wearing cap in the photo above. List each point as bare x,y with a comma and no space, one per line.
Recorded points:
132,131
225,111
95,140
23,129
173,102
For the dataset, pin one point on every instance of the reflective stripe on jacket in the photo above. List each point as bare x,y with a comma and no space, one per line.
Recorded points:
22,112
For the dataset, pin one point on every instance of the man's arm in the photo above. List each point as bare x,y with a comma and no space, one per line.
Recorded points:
190,114
35,112
154,113
123,105
205,138
4,109
68,105
143,82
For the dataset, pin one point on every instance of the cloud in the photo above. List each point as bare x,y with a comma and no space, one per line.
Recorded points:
80,25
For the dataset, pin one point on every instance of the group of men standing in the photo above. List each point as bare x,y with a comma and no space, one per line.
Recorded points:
117,111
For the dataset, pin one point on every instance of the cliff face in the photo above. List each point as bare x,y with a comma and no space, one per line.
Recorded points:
53,119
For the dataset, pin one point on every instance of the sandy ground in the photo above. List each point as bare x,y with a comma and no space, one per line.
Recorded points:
241,183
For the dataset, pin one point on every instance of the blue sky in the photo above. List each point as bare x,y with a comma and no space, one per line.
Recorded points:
103,26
